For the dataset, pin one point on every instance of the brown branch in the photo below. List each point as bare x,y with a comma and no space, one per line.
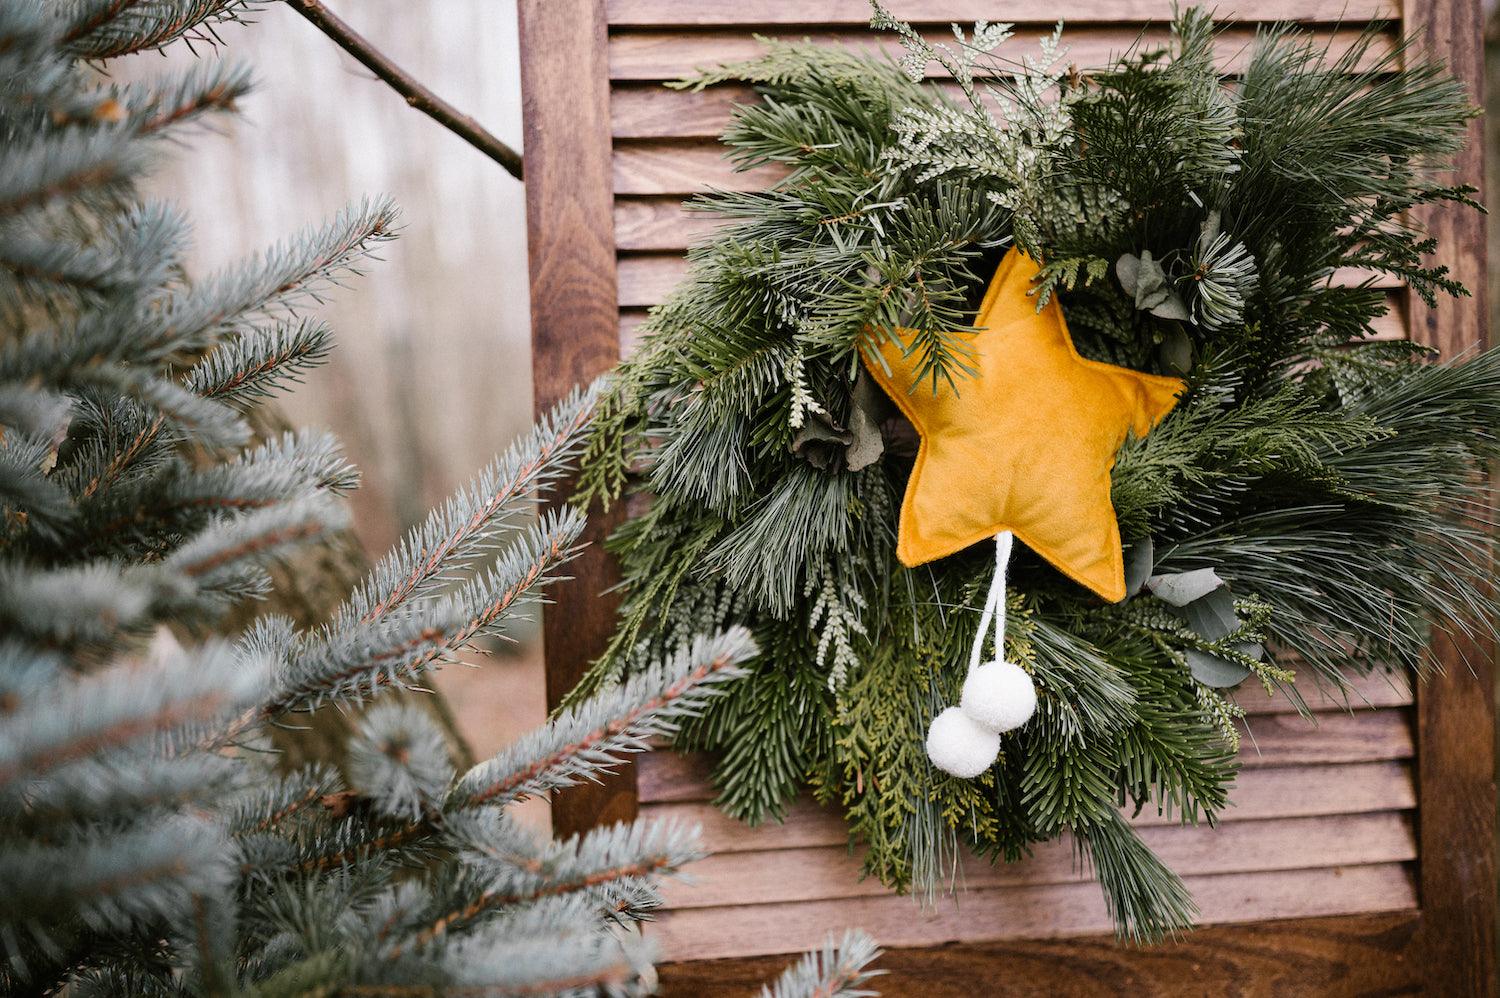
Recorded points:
399,80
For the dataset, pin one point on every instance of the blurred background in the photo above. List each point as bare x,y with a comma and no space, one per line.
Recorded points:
430,376
431,373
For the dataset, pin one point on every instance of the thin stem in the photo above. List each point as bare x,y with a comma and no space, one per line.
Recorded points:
407,86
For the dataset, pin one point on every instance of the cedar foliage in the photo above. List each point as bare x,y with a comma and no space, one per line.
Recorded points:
149,845
1187,222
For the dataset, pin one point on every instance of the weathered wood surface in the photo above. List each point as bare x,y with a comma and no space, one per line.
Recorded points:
817,873
683,795
1270,740
1456,709
671,54
1361,955
698,13
647,278
1033,912
574,324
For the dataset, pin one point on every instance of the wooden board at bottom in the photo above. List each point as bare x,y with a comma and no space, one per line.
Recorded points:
1329,957
1046,912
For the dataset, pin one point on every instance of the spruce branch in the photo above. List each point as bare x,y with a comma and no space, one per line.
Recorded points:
590,738
399,80
838,970
105,29
459,532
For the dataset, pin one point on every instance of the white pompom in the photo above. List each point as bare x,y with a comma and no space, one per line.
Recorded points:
957,745
999,696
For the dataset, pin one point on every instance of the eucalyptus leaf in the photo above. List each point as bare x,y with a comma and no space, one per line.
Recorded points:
867,408
1212,617
821,441
1170,306
1181,588
1140,558
1211,670
1176,350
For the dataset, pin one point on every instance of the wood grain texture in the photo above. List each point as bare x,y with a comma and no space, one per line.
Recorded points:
672,54
1036,912
574,324
647,278
1259,795
697,13
1361,955
825,872
1456,710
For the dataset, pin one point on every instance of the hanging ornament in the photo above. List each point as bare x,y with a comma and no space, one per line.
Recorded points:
1028,444
998,696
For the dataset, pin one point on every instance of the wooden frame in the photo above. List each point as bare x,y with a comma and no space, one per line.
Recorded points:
1446,946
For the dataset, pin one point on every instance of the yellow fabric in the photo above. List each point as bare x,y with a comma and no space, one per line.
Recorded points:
1025,446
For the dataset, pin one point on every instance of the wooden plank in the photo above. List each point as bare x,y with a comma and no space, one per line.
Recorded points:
574,325
1287,739
1341,957
1259,795
647,278
657,168
631,320
1272,740
1042,912
1456,708
815,874
674,54
696,13
651,111
655,111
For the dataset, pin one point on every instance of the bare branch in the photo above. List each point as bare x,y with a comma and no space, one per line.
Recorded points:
399,80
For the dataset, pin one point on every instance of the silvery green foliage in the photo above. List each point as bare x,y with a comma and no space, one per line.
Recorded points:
838,970
148,846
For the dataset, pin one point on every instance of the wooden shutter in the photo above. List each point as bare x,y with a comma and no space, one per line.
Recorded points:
1381,814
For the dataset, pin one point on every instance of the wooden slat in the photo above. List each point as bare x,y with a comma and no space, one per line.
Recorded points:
671,55
651,111
1353,956
1456,707
1374,690
680,168
1042,912
816,874
647,278
574,325
1287,739
697,13
1258,795
1272,740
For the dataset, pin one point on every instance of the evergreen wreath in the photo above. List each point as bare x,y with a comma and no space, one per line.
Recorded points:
1313,503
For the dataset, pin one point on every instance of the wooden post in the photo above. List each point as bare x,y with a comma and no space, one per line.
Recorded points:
574,322
1456,710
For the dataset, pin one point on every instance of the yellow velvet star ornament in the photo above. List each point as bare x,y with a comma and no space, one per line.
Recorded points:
1027,445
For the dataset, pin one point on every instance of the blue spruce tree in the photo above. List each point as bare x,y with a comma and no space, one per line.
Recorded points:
149,843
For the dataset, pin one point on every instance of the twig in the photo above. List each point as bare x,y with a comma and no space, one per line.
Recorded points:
406,85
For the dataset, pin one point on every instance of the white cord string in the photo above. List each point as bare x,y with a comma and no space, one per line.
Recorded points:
994,603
